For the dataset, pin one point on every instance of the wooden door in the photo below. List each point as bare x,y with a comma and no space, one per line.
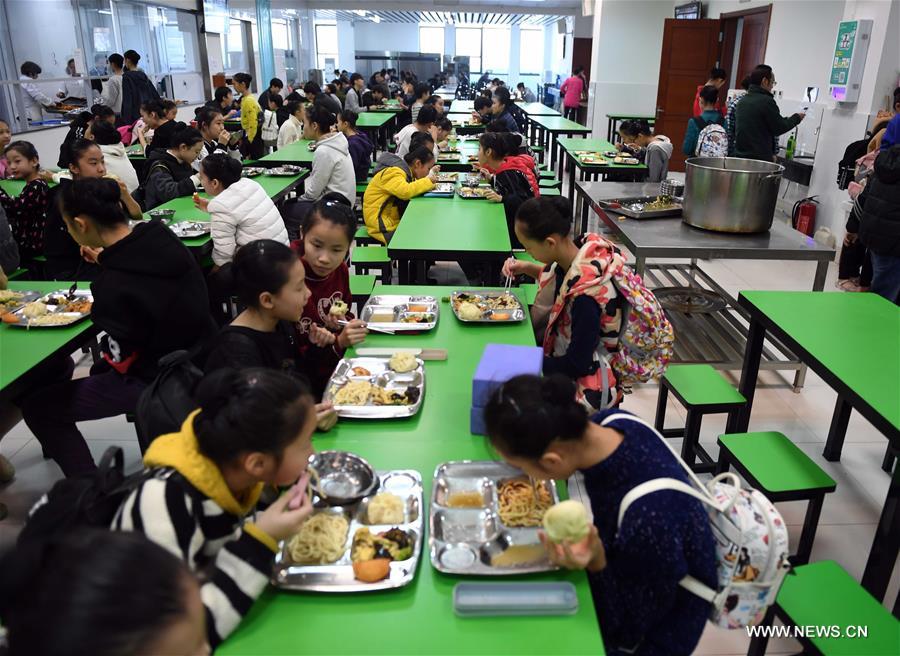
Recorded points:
581,54
754,35
689,49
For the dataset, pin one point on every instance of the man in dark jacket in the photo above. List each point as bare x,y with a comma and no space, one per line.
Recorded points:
136,88
879,227
757,119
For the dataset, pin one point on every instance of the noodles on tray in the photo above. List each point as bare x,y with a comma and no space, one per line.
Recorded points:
322,539
518,506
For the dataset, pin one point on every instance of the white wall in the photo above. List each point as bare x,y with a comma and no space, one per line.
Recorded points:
48,43
625,66
397,37
346,46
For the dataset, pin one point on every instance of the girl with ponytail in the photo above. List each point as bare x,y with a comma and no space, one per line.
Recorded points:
252,429
634,569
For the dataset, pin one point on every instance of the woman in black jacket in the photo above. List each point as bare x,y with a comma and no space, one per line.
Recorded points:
879,227
169,172
149,299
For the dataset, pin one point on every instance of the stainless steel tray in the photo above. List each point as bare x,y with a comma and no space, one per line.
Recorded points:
190,229
476,192
252,171
288,170
21,297
54,309
442,189
634,207
482,298
389,311
463,540
447,177
380,375
338,576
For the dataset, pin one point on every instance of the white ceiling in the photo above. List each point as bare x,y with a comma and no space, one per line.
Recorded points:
555,7
437,17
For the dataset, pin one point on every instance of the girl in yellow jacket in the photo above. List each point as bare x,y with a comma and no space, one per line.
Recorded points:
396,181
251,117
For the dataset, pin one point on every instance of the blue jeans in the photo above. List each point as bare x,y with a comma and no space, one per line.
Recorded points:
886,276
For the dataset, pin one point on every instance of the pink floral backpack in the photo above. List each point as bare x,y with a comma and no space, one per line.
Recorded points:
646,338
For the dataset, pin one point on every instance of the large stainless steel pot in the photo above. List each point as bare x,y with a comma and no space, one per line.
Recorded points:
730,194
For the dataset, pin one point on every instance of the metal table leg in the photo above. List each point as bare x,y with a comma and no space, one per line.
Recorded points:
886,544
571,161
756,335
818,285
837,431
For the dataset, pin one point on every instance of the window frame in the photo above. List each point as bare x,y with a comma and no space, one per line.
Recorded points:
432,26
321,55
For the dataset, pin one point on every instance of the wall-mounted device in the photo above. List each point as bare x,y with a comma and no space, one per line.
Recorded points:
849,59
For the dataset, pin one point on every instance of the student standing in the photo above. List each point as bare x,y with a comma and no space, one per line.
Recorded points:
240,210
252,429
717,78
27,212
757,119
169,172
114,156
730,113
111,95
146,270
292,129
270,122
137,88
396,180
216,138
358,143
251,117
585,319
572,90
634,569
879,227
715,143
324,246
654,150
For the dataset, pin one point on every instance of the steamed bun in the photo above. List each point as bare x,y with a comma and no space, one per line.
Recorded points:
566,521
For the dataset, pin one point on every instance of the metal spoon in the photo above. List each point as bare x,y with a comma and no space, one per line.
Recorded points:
386,331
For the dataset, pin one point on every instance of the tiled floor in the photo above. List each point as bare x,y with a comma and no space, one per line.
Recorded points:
848,519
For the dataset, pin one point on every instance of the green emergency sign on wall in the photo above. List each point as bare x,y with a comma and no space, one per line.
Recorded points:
849,59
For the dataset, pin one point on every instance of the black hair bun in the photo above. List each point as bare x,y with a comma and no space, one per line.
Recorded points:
217,390
558,390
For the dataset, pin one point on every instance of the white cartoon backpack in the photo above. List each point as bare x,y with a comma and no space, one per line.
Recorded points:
712,140
751,542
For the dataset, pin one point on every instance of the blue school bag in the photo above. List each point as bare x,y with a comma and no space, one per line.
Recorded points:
751,541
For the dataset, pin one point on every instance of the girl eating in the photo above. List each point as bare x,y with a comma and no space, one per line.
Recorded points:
326,236
169,173
5,138
146,301
585,318
513,177
654,150
240,210
252,428
27,212
634,569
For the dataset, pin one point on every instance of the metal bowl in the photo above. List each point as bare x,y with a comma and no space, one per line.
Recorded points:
344,478
165,215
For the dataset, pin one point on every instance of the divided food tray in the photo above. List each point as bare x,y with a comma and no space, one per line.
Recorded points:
190,229
55,309
635,207
510,312
338,576
396,312
376,372
465,540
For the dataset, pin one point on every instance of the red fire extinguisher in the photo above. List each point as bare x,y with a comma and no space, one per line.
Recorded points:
803,217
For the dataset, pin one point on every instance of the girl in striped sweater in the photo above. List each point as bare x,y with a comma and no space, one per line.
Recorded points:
253,428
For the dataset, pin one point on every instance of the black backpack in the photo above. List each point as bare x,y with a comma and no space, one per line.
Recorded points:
847,165
164,405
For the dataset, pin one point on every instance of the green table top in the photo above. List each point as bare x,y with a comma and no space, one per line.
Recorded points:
373,119
572,144
295,153
537,109
450,225
560,124
22,349
418,618
852,337
14,187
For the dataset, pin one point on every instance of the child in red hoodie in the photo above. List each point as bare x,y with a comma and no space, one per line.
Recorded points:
324,243
513,176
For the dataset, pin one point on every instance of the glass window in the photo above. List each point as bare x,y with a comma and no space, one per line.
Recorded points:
431,39
97,34
531,53
280,37
234,47
135,31
468,44
326,43
495,49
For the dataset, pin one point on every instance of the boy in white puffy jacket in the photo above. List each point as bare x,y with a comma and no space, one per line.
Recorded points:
240,211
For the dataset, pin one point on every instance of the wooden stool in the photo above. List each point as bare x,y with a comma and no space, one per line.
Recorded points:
777,467
702,391
823,594
368,258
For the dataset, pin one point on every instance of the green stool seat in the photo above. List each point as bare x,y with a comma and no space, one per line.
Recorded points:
778,468
361,188
361,287
548,191
824,594
702,391
546,175
547,183
367,258
362,237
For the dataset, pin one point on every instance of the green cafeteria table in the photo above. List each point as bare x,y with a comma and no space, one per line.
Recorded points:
21,349
568,148
450,229
852,341
276,186
297,153
375,124
553,127
418,619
